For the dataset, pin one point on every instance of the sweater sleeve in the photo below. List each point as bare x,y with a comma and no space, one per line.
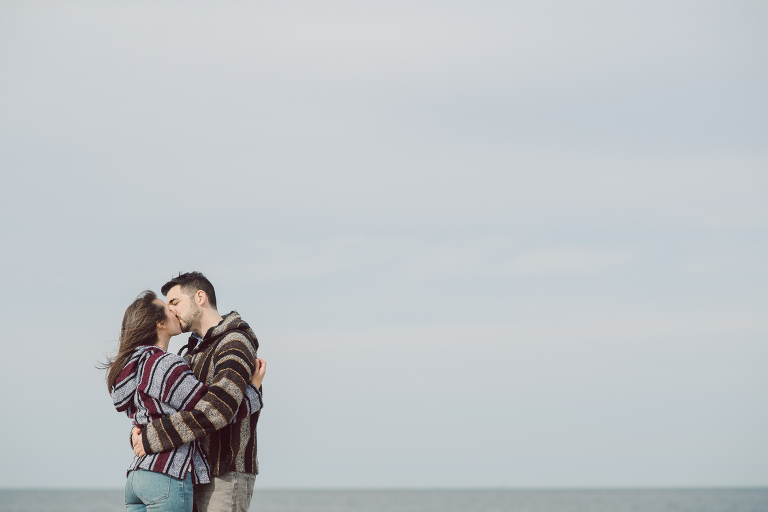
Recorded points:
235,361
172,382
251,404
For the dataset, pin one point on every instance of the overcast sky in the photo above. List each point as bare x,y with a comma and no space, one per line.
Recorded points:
482,243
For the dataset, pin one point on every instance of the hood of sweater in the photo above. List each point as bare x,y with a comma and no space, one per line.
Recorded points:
127,382
231,322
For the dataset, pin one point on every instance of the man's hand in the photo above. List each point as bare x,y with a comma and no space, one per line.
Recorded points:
258,374
138,446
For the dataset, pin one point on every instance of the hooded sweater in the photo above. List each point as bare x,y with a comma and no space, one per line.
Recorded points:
225,359
154,384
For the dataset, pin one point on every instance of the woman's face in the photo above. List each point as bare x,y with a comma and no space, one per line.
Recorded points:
172,324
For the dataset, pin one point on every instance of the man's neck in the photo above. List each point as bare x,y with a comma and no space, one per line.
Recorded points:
209,318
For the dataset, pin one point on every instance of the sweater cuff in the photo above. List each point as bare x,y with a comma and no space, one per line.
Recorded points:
145,440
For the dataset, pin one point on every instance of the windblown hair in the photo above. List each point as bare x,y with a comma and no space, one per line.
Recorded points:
139,328
190,282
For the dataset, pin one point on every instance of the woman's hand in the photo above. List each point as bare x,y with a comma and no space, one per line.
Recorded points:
138,446
258,374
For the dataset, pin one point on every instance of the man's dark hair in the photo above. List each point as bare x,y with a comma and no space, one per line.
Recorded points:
190,282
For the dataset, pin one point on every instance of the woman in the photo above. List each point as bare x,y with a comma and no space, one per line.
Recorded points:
147,383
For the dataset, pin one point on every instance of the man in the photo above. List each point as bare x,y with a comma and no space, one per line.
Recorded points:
224,359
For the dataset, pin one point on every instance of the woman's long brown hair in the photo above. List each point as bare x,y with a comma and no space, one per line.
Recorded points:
139,328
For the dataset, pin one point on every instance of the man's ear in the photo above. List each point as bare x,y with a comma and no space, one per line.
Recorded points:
201,298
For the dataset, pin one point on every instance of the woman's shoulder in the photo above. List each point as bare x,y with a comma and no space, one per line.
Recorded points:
155,355
147,352
161,357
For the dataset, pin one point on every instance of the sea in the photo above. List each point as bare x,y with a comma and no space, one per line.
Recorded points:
499,500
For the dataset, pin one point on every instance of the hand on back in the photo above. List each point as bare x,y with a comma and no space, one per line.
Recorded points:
138,445
258,374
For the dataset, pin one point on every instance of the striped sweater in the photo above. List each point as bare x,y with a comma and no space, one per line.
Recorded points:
154,384
225,360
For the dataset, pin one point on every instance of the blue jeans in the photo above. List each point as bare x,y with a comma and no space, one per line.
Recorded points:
157,492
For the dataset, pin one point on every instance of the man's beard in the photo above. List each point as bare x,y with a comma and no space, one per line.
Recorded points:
187,321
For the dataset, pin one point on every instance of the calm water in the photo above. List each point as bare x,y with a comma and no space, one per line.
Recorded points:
683,500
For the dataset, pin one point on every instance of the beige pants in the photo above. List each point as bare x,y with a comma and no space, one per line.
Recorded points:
230,492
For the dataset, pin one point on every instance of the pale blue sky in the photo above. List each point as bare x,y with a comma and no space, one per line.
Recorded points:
482,243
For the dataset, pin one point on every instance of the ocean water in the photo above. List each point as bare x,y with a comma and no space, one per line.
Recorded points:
645,500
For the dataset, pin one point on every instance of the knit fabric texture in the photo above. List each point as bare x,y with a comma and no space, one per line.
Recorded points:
154,384
225,360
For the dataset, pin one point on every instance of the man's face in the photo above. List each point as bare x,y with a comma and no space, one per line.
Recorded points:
184,307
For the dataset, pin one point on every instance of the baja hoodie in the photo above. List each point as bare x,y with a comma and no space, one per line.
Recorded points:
155,383
224,360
